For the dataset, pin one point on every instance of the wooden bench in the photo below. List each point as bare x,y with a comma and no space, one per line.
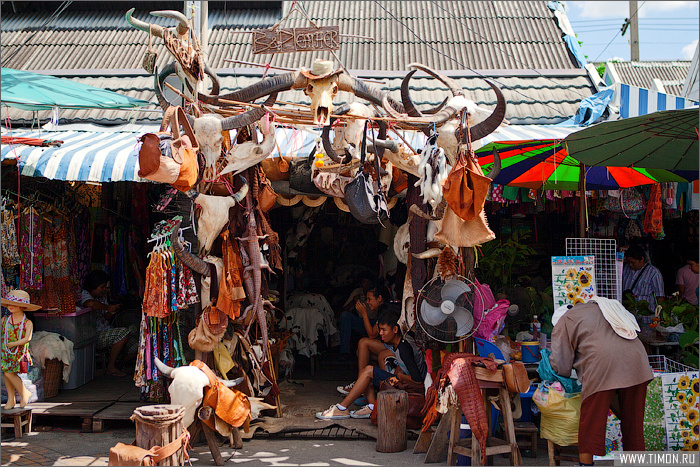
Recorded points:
20,418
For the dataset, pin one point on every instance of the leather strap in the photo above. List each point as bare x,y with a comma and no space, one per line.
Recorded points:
160,453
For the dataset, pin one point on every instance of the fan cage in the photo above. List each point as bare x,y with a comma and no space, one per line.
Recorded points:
430,330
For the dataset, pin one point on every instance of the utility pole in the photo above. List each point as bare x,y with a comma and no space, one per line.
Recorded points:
634,32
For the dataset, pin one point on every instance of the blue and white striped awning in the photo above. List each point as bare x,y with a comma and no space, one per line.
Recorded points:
634,101
113,157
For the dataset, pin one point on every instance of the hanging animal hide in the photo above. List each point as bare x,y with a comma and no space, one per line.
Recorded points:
433,170
457,232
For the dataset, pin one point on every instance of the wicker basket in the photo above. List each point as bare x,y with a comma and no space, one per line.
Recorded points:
52,374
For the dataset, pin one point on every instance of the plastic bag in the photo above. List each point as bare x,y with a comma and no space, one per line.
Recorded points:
560,414
546,373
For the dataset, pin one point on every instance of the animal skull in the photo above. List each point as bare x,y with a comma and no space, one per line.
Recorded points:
187,387
322,91
245,155
210,136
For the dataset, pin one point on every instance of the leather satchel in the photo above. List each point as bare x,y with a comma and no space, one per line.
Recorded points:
516,377
276,168
300,177
267,196
169,156
332,183
365,200
466,187
129,454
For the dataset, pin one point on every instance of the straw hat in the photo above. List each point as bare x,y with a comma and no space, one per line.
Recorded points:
320,69
340,203
285,201
312,201
19,298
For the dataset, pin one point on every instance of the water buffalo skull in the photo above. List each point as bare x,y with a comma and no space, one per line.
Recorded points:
187,387
210,137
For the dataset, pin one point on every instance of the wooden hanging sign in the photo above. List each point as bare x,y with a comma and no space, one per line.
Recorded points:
286,40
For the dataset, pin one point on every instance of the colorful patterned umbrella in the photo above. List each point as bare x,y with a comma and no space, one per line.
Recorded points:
545,164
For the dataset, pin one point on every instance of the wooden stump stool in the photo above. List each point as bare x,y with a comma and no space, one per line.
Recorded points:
21,420
158,425
392,411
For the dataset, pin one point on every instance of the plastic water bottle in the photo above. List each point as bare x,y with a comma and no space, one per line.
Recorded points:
535,328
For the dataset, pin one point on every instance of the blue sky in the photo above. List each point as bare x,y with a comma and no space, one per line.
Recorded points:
667,30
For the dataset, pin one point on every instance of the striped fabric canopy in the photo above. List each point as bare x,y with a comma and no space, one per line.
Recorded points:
112,157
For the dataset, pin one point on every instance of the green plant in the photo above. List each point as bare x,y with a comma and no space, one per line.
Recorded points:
501,258
636,307
601,69
675,310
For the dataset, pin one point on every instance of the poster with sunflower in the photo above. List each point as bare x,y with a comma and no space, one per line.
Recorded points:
680,395
573,279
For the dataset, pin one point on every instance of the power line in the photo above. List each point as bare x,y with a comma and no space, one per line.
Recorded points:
618,32
53,16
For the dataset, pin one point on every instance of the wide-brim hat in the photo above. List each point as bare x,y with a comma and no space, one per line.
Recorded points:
19,298
284,200
313,201
341,204
320,69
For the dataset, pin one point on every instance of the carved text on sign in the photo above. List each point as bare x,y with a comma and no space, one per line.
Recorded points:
271,41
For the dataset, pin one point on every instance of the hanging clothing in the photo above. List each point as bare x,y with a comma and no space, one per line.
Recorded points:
31,251
155,300
653,218
186,288
8,236
231,292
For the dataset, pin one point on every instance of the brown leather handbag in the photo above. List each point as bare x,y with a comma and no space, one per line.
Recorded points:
466,187
128,454
516,377
267,196
276,168
169,156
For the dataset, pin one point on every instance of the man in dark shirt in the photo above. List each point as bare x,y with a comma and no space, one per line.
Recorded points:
371,378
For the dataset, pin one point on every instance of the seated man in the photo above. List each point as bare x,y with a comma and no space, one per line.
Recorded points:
350,322
370,345
370,378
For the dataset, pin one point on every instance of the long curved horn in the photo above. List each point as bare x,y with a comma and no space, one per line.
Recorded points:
154,29
231,383
489,125
163,368
410,107
326,138
182,26
389,144
262,88
240,194
496,165
159,79
364,91
188,259
249,117
455,89
215,83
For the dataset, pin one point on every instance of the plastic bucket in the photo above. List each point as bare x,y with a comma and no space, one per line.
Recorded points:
531,351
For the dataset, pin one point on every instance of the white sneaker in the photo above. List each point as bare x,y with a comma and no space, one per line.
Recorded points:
364,412
345,390
333,413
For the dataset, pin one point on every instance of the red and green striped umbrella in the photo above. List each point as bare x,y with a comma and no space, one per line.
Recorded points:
545,164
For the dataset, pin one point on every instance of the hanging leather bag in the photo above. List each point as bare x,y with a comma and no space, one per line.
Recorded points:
129,454
149,58
267,197
331,183
300,175
466,187
276,168
363,196
516,377
169,156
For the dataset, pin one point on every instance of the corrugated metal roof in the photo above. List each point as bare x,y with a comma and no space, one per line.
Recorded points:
531,100
443,35
540,82
672,74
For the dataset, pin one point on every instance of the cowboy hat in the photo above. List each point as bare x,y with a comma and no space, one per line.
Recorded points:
313,202
320,69
285,201
19,298
340,203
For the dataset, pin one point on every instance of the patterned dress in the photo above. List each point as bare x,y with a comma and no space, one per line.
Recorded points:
12,332
31,252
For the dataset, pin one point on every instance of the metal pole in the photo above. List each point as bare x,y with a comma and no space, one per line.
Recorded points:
582,202
634,32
